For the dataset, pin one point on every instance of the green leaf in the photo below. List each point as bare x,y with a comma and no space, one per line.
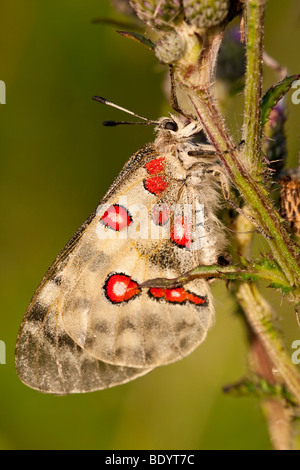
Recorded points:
260,388
137,37
274,94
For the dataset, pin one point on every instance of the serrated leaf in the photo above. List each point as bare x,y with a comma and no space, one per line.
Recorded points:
274,94
138,38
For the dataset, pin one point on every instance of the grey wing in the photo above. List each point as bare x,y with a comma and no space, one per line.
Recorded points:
48,360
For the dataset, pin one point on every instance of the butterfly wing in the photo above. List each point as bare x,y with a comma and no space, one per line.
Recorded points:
90,324
46,357
48,360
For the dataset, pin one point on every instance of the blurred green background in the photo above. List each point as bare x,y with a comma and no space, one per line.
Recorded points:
56,163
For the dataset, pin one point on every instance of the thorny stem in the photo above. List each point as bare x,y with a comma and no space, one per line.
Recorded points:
252,272
253,86
261,319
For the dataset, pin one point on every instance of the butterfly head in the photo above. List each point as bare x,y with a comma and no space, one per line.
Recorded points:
176,130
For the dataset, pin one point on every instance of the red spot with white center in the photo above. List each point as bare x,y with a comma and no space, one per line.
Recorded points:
121,288
177,295
156,185
155,166
160,214
116,217
181,233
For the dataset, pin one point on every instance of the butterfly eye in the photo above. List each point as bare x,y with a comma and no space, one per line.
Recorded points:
171,126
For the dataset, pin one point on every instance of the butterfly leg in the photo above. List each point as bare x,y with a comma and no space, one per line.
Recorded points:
226,193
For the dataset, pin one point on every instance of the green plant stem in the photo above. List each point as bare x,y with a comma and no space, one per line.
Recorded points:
252,272
261,319
253,85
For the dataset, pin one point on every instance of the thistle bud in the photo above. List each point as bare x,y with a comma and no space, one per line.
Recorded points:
158,14
170,48
205,13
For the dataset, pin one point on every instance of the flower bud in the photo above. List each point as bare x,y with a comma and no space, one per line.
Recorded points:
205,13
159,14
170,48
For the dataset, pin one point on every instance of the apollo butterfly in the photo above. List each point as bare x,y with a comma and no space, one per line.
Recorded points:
91,324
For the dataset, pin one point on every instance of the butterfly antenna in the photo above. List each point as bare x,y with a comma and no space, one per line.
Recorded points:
117,123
